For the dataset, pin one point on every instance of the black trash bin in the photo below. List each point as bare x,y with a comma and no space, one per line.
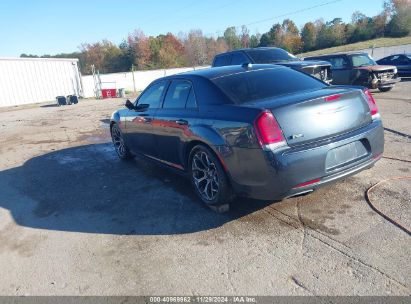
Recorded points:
61,100
73,99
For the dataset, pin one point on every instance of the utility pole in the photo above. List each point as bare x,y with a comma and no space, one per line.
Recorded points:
132,73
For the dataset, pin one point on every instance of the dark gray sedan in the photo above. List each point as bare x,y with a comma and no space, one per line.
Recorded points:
401,61
261,131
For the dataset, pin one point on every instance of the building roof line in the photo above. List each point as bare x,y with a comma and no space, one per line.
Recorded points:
37,59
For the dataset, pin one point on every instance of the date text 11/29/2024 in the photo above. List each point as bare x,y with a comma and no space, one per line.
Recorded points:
203,299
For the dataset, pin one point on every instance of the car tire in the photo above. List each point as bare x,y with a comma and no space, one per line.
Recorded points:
385,89
120,146
209,179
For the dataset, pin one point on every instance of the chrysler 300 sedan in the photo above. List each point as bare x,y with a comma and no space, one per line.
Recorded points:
261,131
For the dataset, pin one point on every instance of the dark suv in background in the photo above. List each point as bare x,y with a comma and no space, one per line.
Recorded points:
318,69
360,69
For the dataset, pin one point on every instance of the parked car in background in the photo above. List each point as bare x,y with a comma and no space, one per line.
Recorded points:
318,69
360,69
401,61
261,131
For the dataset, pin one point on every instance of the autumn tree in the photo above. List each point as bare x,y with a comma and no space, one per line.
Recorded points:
139,48
171,53
291,40
245,36
214,47
195,47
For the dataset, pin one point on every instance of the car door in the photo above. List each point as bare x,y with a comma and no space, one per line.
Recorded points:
138,125
172,122
341,69
403,64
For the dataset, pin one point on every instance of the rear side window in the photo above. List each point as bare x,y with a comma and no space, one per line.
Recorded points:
222,60
239,58
261,84
191,101
270,55
177,94
338,62
152,96
403,60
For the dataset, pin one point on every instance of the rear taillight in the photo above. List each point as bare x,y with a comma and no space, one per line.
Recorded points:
268,131
371,104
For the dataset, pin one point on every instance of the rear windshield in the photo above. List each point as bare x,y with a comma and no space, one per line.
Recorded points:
271,55
262,84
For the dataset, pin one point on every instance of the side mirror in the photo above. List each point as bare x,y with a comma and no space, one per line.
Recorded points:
141,107
129,105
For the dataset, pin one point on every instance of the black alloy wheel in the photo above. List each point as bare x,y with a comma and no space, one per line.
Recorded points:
117,137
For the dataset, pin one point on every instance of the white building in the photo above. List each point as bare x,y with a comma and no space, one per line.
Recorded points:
31,80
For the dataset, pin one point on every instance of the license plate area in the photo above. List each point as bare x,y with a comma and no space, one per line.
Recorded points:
346,155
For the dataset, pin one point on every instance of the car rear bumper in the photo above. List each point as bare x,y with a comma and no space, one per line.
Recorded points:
294,170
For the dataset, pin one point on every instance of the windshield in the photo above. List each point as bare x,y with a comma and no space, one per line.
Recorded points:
362,60
270,55
262,84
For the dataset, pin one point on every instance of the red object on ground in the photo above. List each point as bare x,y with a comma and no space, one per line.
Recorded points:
108,93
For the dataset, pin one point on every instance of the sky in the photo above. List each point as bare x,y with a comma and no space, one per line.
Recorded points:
51,26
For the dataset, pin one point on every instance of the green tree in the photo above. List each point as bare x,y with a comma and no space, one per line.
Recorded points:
255,40
264,40
363,27
231,38
400,22
308,36
275,35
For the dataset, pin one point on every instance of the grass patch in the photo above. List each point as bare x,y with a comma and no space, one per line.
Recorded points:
379,42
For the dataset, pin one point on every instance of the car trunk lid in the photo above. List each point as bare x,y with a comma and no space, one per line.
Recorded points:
320,114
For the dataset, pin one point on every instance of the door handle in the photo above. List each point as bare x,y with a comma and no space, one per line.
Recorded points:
146,117
182,122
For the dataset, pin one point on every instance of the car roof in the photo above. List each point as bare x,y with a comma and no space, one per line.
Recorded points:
399,54
211,73
339,53
261,48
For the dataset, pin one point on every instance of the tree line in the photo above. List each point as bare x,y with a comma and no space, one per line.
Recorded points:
141,52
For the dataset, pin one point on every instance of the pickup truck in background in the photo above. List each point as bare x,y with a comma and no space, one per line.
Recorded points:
360,69
273,55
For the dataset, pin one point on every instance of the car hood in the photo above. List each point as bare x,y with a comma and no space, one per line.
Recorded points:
303,64
376,67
